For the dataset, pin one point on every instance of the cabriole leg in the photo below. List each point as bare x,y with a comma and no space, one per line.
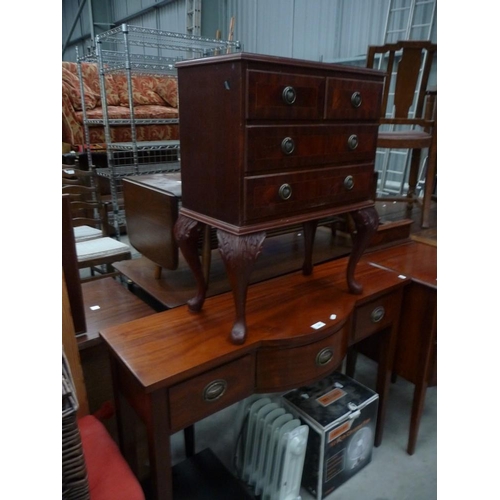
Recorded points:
239,254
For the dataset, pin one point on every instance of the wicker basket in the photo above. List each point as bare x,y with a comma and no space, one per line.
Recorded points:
74,472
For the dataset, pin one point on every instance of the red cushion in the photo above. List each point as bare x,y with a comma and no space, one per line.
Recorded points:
109,475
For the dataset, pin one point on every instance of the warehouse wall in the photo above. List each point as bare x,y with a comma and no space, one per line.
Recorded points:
320,30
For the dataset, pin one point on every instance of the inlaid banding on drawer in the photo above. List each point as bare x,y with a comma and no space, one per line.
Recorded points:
327,187
375,316
285,96
352,99
211,391
281,369
312,145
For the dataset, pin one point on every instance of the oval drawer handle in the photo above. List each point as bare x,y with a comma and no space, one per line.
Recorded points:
288,145
324,356
214,390
377,314
352,142
349,182
285,192
289,95
356,99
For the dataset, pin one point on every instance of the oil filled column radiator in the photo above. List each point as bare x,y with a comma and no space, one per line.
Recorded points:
274,447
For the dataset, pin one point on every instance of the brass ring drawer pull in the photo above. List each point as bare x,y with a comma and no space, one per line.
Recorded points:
285,192
289,95
352,142
214,390
349,182
356,100
288,145
324,356
377,314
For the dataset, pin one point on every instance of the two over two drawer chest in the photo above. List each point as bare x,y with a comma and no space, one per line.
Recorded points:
270,142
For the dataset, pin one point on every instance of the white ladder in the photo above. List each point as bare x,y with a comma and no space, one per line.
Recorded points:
405,20
193,17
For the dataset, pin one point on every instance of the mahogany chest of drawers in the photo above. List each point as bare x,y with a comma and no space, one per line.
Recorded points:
268,142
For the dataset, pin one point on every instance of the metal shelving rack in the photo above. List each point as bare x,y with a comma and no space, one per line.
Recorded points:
129,50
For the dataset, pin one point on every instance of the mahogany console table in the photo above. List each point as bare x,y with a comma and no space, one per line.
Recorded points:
416,349
269,142
301,329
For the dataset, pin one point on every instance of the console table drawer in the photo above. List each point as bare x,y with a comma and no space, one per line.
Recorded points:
212,391
282,369
375,316
288,193
283,147
285,96
348,99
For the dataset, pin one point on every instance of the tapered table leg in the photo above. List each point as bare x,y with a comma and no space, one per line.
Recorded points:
366,221
383,381
239,254
189,441
421,384
159,446
416,414
350,364
124,422
309,228
187,232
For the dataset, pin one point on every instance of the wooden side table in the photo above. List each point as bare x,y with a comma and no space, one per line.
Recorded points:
416,351
151,207
301,328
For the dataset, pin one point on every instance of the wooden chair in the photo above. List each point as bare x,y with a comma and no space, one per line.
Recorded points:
89,213
95,250
409,108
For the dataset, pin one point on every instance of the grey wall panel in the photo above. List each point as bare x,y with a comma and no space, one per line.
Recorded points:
319,30
245,14
362,24
274,27
327,30
125,8
210,18
70,9
121,8
315,29
69,12
172,17
169,17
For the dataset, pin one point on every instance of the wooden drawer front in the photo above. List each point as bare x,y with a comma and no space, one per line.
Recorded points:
268,92
375,316
266,195
205,394
353,99
283,148
282,369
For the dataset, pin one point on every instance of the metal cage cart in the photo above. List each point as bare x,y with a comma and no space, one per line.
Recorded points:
129,50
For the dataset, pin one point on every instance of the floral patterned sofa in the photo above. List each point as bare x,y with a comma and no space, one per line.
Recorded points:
153,97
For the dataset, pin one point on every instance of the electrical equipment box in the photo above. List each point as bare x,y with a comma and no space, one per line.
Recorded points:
341,414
